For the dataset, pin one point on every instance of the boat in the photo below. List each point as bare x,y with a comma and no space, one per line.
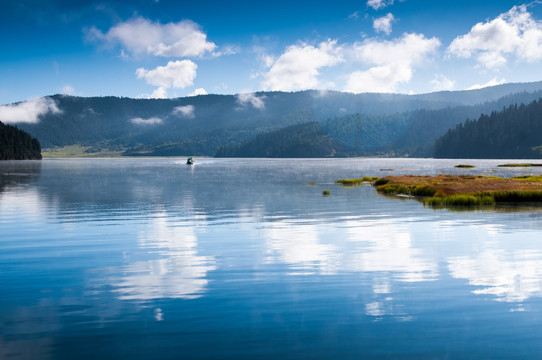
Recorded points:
190,161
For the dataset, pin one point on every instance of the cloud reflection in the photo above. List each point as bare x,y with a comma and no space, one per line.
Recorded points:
382,251
511,276
179,273
299,247
388,248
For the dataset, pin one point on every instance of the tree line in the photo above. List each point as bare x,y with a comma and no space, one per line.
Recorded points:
514,132
16,144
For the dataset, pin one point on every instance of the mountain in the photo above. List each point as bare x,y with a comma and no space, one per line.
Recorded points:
513,133
296,141
16,144
405,125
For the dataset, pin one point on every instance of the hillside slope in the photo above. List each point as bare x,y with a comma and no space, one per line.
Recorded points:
16,144
296,141
514,132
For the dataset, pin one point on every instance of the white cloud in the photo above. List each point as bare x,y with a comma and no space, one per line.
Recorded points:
383,24
354,15
67,90
228,50
492,82
28,111
441,82
139,35
177,74
186,111
514,33
150,121
198,91
379,79
158,93
245,99
379,4
298,67
393,61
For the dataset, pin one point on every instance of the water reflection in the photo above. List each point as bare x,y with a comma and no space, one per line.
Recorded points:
14,174
299,247
104,251
179,272
382,251
511,276
389,249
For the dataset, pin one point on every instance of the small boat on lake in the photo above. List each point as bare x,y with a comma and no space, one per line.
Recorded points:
190,161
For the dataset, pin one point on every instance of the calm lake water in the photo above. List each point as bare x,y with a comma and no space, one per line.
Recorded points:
244,259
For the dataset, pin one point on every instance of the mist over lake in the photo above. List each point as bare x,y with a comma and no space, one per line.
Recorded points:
244,258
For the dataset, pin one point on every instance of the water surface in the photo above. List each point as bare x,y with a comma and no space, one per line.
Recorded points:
244,259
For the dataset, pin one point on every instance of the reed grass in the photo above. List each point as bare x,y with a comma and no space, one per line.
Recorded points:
516,165
356,182
462,190
530,178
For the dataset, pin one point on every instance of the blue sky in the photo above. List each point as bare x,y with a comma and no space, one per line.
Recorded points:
169,48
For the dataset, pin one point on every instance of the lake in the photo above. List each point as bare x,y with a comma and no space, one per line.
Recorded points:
245,259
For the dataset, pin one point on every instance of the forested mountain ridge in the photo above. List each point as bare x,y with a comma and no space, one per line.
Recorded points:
514,132
405,125
296,141
16,144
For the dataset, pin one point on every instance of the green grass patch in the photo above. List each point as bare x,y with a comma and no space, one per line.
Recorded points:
357,182
326,192
516,165
464,166
529,178
465,191
518,196
461,200
414,190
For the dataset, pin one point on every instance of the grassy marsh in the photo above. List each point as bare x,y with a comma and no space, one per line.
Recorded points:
463,190
519,165
358,181
460,190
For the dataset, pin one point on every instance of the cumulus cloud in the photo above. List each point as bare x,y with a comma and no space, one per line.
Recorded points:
149,121
379,4
158,93
186,111
177,74
393,62
245,99
140,35
379,79
441,83
514,33
198,91
492,82
383,24
28,111
298,67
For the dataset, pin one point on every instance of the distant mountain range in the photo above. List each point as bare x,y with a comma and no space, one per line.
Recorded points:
346,124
